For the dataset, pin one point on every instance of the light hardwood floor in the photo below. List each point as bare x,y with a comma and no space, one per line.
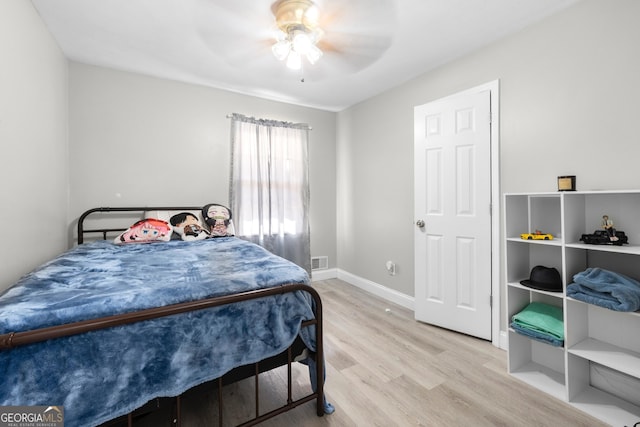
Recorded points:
386,369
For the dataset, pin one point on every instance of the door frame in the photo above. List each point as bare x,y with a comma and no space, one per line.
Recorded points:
494,88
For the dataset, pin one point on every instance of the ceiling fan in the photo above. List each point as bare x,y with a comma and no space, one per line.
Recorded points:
298,21
321,38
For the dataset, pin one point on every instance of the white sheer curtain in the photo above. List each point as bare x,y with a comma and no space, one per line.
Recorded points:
270,186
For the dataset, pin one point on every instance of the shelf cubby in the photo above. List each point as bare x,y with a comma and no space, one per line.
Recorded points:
538,364
606,407
598,368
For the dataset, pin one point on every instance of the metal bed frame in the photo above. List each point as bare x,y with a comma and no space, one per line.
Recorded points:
14,339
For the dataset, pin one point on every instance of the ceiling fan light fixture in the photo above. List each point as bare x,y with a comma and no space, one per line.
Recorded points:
294,61
281,49
280,35
313,54
315,35
301,42
299,32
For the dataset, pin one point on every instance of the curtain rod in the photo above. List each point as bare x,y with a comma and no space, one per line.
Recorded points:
303,125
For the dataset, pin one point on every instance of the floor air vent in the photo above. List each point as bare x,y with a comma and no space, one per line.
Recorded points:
319,262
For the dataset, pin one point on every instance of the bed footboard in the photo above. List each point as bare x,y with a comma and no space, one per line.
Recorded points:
14,339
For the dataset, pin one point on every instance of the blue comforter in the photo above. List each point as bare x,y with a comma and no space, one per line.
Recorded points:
100,375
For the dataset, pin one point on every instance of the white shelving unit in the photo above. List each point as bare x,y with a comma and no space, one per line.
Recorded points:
598,369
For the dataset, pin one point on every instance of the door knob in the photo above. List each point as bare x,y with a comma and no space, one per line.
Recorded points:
420,223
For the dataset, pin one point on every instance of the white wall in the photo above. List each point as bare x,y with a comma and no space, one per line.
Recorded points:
568,96
137,140
569,106
33,141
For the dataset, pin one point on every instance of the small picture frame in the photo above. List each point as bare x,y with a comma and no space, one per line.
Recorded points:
567,183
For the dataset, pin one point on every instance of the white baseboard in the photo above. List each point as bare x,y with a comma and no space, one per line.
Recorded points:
376,289
503,341
330,273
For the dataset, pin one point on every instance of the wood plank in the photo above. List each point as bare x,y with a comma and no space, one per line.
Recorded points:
386,369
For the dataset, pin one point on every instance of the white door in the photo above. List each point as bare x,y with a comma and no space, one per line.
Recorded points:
453,213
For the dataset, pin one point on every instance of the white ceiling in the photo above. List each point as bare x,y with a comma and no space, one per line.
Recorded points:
375,44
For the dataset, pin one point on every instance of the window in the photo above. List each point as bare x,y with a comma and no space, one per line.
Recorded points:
270,186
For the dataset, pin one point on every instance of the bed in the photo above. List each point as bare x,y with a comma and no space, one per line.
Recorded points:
106,330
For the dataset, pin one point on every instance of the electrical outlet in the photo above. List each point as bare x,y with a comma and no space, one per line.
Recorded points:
391,267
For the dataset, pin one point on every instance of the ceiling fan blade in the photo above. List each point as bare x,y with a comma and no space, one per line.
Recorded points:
362,16
356,32
230,28
355,44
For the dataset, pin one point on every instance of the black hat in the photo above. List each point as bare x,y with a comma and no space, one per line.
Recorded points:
544,278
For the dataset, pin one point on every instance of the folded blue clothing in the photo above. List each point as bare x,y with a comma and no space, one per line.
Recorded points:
606,288
537,335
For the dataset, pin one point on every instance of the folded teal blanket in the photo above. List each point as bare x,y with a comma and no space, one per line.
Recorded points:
541,317
606,288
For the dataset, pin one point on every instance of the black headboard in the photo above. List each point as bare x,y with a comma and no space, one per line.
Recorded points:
82,231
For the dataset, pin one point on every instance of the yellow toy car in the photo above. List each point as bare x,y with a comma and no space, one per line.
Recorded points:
537,235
